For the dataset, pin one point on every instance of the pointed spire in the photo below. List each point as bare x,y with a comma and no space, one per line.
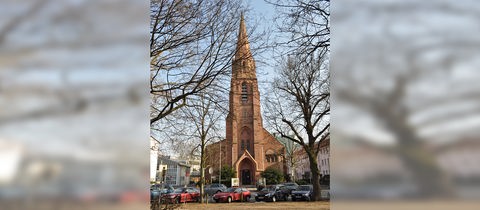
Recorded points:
243,62
243,46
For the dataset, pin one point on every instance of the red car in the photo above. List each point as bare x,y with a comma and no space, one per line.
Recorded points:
181,195
232,194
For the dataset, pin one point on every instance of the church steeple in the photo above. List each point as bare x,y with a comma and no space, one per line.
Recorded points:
243,63
248,146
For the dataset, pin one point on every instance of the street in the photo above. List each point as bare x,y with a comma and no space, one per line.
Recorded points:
321,205
325,195
324,205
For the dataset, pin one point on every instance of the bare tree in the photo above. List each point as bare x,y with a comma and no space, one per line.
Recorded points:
191,45
53,44
299,108
387,82
198,124
291,148
303,26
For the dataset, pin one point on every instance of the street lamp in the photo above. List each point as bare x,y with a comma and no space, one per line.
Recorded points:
220,165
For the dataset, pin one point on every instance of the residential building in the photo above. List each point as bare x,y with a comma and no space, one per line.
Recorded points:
301,168
153,159
178,173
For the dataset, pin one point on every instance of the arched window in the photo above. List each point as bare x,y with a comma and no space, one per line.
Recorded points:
270,156
244,92
247,140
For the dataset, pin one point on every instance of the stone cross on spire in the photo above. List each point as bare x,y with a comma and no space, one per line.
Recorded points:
243,63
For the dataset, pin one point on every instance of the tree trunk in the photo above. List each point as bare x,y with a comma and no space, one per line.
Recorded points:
317,191
416,157
202,169
420,161
202,183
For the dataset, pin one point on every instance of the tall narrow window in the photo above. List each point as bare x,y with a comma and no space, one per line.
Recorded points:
244,92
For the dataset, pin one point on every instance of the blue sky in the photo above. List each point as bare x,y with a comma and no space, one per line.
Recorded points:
264,14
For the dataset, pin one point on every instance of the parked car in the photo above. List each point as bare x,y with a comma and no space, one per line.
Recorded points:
232,194
260,186
215,188
181,195
272,193
303,192
290,186
156,191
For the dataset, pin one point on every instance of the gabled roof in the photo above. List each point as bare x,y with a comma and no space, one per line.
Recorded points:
245,155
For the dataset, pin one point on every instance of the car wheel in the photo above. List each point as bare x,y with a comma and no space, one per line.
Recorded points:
256,199
216,201
293,199
229,199
248,199
274,199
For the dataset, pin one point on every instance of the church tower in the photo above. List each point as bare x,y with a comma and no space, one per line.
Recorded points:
245,135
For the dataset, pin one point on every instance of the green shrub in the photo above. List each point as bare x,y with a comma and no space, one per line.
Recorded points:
272,176
227,174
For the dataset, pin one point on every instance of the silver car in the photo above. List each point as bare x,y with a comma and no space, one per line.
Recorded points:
214,188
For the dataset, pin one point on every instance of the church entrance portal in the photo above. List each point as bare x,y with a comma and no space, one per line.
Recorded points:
246,171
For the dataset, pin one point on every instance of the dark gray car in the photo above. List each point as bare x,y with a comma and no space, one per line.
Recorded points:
290,186
303,192
272,193
215,188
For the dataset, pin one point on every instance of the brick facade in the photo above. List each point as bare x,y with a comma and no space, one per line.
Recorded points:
248,147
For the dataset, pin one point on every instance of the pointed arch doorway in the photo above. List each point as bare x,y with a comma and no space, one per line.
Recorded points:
246,171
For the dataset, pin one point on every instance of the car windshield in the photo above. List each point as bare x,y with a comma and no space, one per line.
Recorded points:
231,189
290,184
267,189
178,190
167,190
303,188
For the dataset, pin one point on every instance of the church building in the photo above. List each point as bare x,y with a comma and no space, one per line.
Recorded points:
248,147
